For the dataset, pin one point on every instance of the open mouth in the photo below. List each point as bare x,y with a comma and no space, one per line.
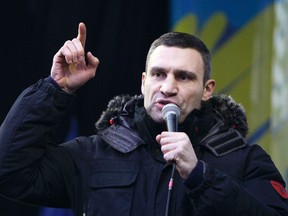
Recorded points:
161,103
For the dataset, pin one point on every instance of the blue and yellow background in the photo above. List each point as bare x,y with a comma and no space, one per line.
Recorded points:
248,41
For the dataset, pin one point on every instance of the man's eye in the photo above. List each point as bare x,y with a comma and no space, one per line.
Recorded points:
184,77
158,74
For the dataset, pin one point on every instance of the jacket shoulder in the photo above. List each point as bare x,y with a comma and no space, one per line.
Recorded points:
230,126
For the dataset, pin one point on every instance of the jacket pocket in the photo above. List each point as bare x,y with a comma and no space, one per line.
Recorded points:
111,191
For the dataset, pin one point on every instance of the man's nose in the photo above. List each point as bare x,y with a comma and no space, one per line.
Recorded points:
169,86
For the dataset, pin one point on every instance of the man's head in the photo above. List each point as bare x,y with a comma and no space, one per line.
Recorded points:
183,40
178,68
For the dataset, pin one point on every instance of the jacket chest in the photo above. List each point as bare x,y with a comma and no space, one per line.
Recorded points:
128,186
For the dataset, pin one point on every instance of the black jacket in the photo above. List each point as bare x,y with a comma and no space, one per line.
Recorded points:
120,170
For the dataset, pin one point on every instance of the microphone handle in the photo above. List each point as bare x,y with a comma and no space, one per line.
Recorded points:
172,123
172,126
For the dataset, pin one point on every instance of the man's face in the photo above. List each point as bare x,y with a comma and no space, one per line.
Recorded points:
174,75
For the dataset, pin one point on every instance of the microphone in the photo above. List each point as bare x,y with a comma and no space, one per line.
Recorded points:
170,114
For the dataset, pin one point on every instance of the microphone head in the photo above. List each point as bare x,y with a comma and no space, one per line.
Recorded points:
170,109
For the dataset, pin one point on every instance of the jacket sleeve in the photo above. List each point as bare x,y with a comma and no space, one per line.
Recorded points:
252,194
28,155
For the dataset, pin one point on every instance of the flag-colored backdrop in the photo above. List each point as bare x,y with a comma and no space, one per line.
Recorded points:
247,40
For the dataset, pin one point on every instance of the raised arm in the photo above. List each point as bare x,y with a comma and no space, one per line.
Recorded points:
33,168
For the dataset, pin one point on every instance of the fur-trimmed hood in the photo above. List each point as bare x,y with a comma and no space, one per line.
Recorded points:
232,113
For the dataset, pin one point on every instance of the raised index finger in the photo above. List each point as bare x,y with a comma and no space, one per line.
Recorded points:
82,34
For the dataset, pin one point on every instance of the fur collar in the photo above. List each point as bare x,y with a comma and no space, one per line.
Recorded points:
233,114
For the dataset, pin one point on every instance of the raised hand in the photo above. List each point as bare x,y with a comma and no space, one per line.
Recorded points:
70,69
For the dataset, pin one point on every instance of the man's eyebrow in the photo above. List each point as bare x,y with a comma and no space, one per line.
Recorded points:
153,69
192,74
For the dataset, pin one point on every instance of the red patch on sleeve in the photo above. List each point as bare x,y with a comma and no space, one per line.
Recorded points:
279,189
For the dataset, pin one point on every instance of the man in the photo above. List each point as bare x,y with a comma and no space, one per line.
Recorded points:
125,168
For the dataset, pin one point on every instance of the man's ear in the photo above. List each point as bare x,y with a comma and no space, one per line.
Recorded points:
208,89
143,82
